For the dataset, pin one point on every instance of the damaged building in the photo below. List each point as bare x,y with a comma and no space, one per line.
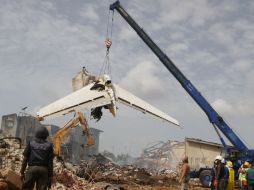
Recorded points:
74,145
22,126
161,155
201,153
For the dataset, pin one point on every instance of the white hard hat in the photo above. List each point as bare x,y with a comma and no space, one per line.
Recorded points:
219,157
223,161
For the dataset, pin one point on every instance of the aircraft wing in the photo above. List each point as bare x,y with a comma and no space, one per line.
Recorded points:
83,99
86,99
132,101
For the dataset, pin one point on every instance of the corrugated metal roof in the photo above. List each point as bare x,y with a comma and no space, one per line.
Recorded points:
203,142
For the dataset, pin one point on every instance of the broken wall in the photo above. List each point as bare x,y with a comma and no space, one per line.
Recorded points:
19,126
9,124
201,153
26,126
169,154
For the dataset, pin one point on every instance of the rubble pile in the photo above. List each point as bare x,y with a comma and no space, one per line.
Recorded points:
3,183
65,179
10,155
98,169
96,173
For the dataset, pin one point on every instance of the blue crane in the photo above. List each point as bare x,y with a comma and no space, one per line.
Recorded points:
240,150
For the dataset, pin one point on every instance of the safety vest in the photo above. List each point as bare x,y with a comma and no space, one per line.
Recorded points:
242,176
231,177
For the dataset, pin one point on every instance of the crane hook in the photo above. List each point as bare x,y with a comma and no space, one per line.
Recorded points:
108,43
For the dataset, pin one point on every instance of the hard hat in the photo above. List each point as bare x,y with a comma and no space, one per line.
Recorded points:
41,132
223,161
219,157
246,164
230,164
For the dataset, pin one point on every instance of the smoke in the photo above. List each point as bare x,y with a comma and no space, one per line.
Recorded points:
144,81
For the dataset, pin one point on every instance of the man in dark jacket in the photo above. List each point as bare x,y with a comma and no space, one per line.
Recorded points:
224,175
38,155
220,174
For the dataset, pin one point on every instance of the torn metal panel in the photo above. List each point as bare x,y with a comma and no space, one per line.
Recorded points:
82,79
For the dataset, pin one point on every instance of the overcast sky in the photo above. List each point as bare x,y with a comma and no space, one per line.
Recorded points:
44,43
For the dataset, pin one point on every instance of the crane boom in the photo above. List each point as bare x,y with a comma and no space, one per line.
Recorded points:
212,115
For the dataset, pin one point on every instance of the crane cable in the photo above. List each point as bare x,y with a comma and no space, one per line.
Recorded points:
108,42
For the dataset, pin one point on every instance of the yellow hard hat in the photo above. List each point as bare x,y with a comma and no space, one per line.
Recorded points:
246,164
230,164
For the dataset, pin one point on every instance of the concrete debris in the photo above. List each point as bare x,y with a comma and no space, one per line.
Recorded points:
161,155
11,158
97,169
66,179
3,183
122,159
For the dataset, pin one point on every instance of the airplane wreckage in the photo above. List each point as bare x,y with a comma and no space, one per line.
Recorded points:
95,93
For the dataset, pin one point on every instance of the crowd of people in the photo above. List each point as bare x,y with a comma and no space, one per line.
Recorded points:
224,175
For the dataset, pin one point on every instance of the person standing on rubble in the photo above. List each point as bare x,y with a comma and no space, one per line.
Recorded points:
185,174
38,155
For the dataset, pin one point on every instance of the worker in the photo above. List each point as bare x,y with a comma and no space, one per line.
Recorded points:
223,182
216,165
185,174
242,175
231,178
250,177
221,173
38,155
211,184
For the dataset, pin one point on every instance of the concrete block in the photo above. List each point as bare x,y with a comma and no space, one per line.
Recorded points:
14,181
